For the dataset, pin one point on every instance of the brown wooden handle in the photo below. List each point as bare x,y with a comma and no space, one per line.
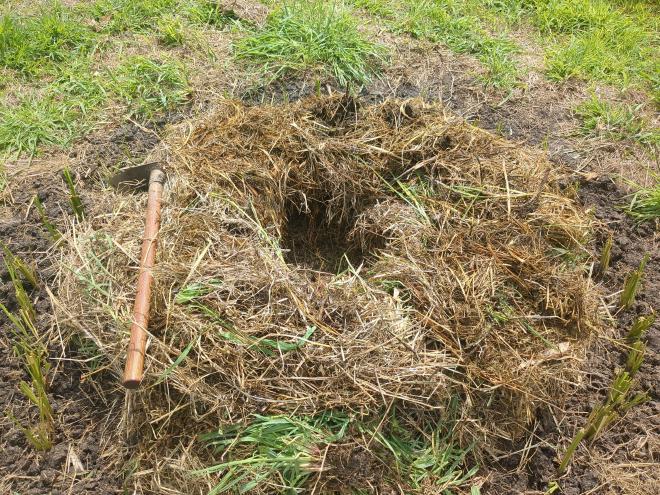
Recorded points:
137,346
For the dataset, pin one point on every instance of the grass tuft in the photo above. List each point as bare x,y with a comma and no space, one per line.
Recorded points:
617,122
312,35
150,86
282,453
645,204
171,31
273,450
423,457
212,13
35,122
33,44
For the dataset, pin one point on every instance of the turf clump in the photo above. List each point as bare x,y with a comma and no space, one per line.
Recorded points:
314,35
360,284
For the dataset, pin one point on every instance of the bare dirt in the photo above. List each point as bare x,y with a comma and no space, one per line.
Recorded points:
84,416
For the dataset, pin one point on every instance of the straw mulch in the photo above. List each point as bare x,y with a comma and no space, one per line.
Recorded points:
326,255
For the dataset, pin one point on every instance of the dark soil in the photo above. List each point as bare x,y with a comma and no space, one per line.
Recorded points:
78,415
82,418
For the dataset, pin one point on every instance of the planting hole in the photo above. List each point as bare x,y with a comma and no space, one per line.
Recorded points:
312,240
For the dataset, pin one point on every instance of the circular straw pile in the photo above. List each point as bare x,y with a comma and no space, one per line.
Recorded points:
354,287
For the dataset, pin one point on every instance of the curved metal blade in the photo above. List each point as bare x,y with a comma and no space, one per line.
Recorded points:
134,178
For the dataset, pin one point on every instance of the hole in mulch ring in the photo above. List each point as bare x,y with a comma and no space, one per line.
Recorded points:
311,240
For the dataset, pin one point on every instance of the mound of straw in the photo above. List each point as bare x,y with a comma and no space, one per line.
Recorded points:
325,257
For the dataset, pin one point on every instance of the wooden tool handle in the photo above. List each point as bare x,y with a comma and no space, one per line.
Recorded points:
137,346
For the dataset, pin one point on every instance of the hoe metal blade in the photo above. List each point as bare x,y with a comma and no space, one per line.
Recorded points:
133,178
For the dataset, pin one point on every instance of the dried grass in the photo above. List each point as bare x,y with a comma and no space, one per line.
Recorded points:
455,280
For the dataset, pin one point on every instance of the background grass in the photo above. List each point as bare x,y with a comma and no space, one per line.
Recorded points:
34,122
118,16
614,42
616,121
57,48
54,54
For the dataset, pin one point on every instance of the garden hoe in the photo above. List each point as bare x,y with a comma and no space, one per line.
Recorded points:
151,177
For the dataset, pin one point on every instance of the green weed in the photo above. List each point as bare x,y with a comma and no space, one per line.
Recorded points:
74,197
501,312
193,295
423,457
635,357
632,284
312,35
618,399
33,44
605,256
17,267
150,86
194,292
617,122
45,221
92,355
180,358
19,272
281,453
278,452
640,327
645,204
617,402
39,435
31,350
